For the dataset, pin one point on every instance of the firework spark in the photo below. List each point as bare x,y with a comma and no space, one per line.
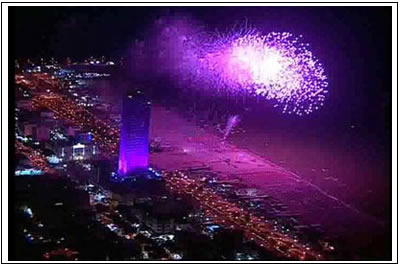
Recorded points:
277,66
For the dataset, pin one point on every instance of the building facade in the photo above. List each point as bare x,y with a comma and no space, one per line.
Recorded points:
134,140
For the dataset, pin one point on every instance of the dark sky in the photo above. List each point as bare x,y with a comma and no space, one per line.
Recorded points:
75,31
354,43
106,30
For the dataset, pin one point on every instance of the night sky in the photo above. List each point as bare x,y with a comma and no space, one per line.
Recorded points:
79,31
354,44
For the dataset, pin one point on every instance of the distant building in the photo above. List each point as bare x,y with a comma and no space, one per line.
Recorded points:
162,217
85,138
25,104
29,129
72,131
160,225
38,131
77,152
134,143
42,133
47,114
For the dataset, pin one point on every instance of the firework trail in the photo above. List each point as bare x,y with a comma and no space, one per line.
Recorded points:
232,122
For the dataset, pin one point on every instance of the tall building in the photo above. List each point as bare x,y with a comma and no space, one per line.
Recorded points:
134,142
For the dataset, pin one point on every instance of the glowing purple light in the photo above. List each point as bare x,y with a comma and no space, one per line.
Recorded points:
276,66
134,140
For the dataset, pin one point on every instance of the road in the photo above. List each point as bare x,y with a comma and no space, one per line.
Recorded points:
228,214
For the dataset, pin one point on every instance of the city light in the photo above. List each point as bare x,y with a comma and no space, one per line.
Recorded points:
28,172
228,214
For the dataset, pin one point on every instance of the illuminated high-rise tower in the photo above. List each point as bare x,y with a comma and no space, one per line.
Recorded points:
134,142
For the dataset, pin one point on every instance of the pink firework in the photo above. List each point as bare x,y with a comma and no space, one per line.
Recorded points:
276,66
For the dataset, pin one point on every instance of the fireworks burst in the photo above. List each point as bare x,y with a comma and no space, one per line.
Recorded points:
277,66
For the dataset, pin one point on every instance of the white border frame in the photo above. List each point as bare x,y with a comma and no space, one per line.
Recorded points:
5,126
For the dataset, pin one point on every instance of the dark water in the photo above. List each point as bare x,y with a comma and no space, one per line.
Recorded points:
350,169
